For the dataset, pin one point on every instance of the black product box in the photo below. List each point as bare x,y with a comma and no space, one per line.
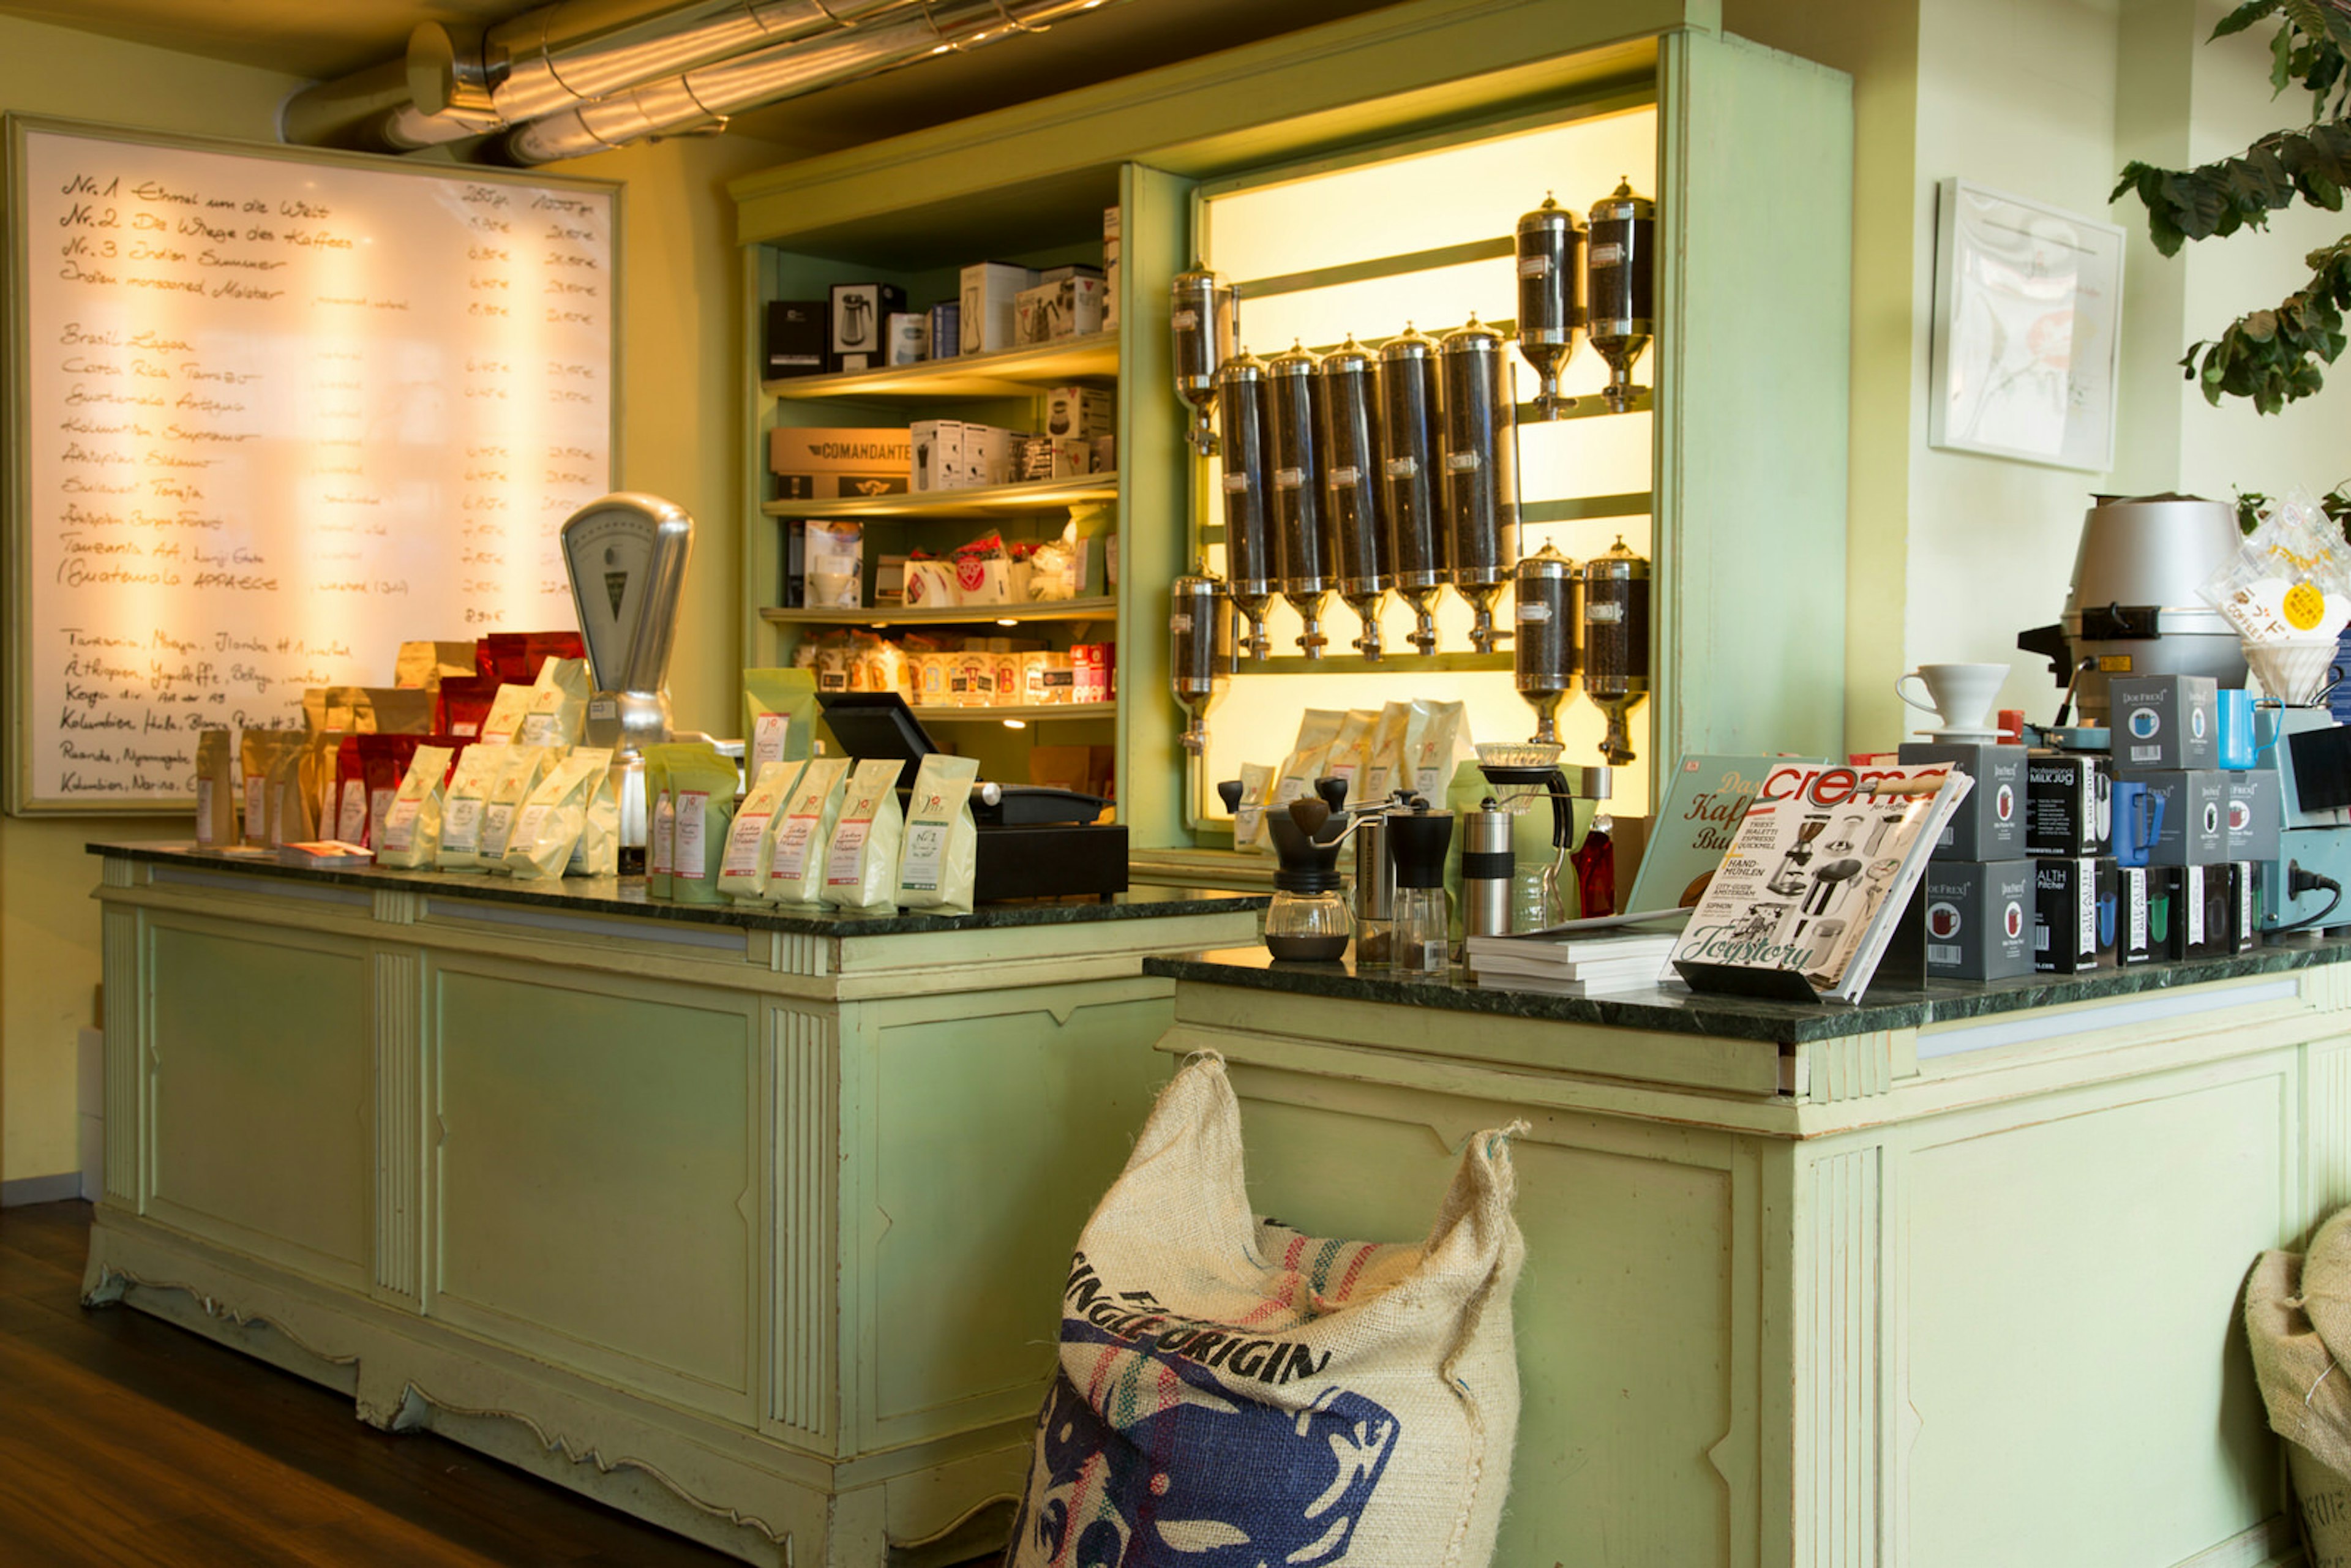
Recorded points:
2069,804
1979,919
2133,916
859,313
2256,813
795,564
2164,723
2195,826
2244,907
2075,923
797,338
2201,908
1990,823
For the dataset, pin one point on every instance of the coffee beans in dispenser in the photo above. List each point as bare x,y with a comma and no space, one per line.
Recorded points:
1479,456
1550,296
1199,644
1409,465
1612,609
1249,551
1544,655
1621,261
1200,326
1351,484
1308,564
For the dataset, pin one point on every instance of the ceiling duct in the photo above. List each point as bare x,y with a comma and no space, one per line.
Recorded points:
703,98
459,81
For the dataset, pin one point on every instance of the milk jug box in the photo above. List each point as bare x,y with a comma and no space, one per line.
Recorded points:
1990,823
2163,723
2069,804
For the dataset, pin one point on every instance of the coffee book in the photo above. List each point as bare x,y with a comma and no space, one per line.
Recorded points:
1817,876
1706,797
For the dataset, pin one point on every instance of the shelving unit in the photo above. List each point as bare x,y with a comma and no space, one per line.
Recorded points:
980,501
1010,372
1102,609
1026,713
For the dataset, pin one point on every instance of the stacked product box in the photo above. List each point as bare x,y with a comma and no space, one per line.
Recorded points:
2191,827
2088,913
1977,892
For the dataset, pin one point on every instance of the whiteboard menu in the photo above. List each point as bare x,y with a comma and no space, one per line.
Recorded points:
276,413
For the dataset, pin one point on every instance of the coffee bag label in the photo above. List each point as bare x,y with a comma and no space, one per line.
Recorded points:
692,816
769,734
460,825
927,846
498,829
743,845
204,811
253,809
400,824
540,729
841,867
352,820
665,836
379,809
533,818
790,863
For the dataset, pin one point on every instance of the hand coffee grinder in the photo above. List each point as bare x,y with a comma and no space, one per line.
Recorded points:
626,555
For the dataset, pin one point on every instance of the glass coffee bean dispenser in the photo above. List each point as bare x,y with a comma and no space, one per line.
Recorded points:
1200,330
1543,652
1551,296
1249,549
1411,491
1613,610
1620,257
1353,516
1305,564
1199,648
1480,461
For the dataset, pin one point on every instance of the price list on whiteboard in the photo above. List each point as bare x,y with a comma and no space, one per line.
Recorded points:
277,414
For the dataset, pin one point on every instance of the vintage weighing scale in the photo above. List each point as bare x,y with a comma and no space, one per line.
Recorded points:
626,555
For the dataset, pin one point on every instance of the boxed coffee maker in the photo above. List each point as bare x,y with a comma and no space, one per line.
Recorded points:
1979,919
906,339
2069,808
2164,723
860,313
988,305
2075,924
797,338
1990,823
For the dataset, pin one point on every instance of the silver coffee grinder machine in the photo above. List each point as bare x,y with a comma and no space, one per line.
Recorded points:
626,555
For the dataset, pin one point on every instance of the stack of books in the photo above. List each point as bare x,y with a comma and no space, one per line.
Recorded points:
1580,966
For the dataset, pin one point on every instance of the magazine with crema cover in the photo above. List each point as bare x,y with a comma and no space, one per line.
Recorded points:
1816,878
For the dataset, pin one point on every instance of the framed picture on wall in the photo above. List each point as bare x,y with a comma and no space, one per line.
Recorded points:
2027,345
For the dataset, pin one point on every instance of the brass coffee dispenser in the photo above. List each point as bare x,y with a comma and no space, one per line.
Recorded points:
1621,261
1307,568
1199,648
1354,512
1612,618
1412,494
1481,457
1543,654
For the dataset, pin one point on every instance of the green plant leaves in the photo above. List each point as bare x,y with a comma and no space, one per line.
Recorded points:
2276,357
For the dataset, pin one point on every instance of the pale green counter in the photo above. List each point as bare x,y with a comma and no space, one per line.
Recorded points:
1950,1279
752,1224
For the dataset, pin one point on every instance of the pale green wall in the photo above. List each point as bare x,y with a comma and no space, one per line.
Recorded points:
680,414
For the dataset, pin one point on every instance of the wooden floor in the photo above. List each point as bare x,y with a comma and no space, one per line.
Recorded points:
124,1440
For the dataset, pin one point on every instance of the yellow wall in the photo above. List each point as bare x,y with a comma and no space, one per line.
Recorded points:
681,415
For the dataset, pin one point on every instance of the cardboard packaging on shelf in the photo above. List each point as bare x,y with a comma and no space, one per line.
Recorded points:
1079,414
1979,919
2133,916
945,335
2163,723
2204,918
860,313
2069,807
989,305
2076,920
1048,312
906,339
1990,825
2194,815
798,339
935,459
2255,805
823,463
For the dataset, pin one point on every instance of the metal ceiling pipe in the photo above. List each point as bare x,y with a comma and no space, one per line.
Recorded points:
334,113
703,98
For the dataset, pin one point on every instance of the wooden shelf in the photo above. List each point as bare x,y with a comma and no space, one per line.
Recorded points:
1010,372
1031,714
983,501
1105,609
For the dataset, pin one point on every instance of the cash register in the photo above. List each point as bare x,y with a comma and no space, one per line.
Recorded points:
1034,842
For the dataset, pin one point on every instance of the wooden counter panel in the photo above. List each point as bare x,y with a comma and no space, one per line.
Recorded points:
261,1084
597,1177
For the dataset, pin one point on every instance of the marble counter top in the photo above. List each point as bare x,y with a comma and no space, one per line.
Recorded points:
626,896
1674,1008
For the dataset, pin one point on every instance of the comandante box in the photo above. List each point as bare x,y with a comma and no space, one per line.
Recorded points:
820,464
1979,919
2075,923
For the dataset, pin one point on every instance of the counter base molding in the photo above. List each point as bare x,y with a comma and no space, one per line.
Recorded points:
1852,1302
764,1251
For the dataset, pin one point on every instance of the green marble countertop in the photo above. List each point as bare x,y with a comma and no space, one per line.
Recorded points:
1674,1008
626,896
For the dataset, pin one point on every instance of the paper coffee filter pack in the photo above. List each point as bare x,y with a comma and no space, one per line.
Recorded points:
2290,578
2295,671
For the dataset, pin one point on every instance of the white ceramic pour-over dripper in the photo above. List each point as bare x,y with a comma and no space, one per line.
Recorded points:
1961,694
2295,671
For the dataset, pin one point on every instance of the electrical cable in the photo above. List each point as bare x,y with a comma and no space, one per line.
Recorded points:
2299,881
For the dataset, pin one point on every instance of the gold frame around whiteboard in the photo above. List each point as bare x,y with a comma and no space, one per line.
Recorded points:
15,738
